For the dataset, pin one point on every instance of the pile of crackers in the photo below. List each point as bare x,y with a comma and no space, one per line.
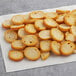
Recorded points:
38,34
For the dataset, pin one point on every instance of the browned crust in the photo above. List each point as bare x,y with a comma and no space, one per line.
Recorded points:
38,28
62,20
51,17
71,30
43,38
47,50
16,27
67,39
47,25
33,44
15,47
6,27
69,53
6,32
56,38
29,32
54,51
46,56
30,14
65,19
20,34
62,11
17,23
9,55
29,58
30,21
63,29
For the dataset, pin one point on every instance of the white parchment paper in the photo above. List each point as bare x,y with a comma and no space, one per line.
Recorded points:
25,64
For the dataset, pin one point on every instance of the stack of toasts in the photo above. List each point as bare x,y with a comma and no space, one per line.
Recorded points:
39,34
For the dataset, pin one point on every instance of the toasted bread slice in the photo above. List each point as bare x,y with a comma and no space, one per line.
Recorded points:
45,55
45,45
45,34
67,48
15,55
7,24
32,53
62,11
56,34
64,27
52,15
49,23
55,47
10,35
30,40
69,19
69,37
27,19
21,32
60,18
37,14
73,30
17,19
39,25
29,28
18,45
16,27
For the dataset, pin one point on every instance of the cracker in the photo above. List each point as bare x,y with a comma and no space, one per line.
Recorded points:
32,53
10,35
15,55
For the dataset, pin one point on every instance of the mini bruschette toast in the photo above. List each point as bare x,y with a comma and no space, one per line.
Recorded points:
18,45
16,27
62,11
60,18
67,48
45,34
29,28
32,53
64,27
45,45
73,30
69,19
30,40
10,35
55,47
28,20
56,34
39,25
21,32
15,55
7,24
45,55
17,19
52,15
69,37
49,23
37,14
